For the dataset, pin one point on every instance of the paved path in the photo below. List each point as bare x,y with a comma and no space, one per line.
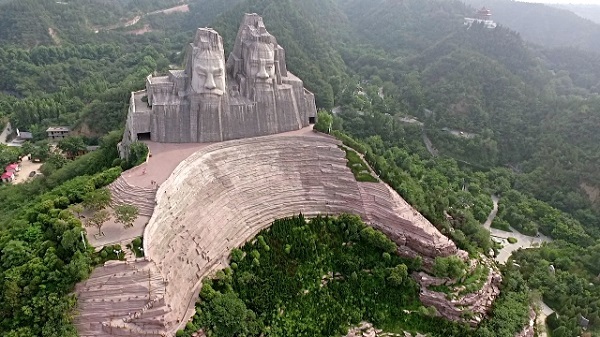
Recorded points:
488,223
459,133
544,312
4,134
177,9
429,145
523,241
114,232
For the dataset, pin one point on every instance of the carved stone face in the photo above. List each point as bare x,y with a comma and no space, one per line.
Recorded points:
259,65
208,73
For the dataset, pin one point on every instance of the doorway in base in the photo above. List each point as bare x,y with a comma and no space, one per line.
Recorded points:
143,136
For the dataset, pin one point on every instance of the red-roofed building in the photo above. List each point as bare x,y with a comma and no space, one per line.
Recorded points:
14,167
8,177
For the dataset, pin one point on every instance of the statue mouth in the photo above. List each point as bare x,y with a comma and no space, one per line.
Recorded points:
263,84
213,92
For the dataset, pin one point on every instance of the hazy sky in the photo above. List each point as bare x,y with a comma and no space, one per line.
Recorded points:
592,2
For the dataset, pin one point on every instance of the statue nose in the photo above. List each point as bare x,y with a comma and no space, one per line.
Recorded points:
210,82
262,73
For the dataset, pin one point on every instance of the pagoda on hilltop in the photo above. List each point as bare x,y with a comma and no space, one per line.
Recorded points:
482,16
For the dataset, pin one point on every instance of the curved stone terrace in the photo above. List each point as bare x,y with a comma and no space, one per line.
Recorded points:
222,195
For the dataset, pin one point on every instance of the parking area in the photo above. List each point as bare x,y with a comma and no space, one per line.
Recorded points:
26,167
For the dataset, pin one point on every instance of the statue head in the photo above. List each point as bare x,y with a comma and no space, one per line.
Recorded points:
259,64
255,64
207,63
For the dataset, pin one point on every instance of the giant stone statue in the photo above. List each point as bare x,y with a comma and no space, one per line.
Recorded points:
251,95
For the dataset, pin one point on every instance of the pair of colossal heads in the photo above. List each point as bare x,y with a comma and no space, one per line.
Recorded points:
251,67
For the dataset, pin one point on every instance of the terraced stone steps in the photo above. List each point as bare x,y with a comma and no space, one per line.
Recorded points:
141,197
105,306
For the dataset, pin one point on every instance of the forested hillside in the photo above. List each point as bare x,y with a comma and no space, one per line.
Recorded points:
29,23
504,117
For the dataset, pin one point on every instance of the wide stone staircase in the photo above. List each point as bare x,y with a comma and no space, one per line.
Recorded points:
125,193
106,307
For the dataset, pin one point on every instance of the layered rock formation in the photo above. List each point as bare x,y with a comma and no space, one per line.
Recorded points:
470,308
251,95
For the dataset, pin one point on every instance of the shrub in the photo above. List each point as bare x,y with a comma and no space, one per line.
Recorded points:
324,120
451,266
377,239
512,240
237,255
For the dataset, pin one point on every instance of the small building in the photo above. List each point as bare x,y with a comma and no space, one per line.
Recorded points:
22,137
584,322
482,16
8,177
58,132
14,167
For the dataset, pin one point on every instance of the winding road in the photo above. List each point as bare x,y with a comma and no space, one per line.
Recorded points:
523,241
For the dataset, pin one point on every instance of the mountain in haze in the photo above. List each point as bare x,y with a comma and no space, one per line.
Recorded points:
590,12
544,25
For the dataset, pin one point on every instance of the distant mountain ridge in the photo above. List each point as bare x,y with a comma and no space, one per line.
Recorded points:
590,12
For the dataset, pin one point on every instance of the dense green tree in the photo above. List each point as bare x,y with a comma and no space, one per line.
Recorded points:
97,199
72,146
8,155
98,219
398,274
451,266
126,215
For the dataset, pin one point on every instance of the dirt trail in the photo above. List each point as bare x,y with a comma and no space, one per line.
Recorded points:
54,36
5,134
130,22
177,9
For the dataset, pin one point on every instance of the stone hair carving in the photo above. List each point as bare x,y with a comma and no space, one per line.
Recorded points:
211,100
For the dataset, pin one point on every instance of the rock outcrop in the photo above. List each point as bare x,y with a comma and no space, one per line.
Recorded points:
529,329
366,329
470,308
